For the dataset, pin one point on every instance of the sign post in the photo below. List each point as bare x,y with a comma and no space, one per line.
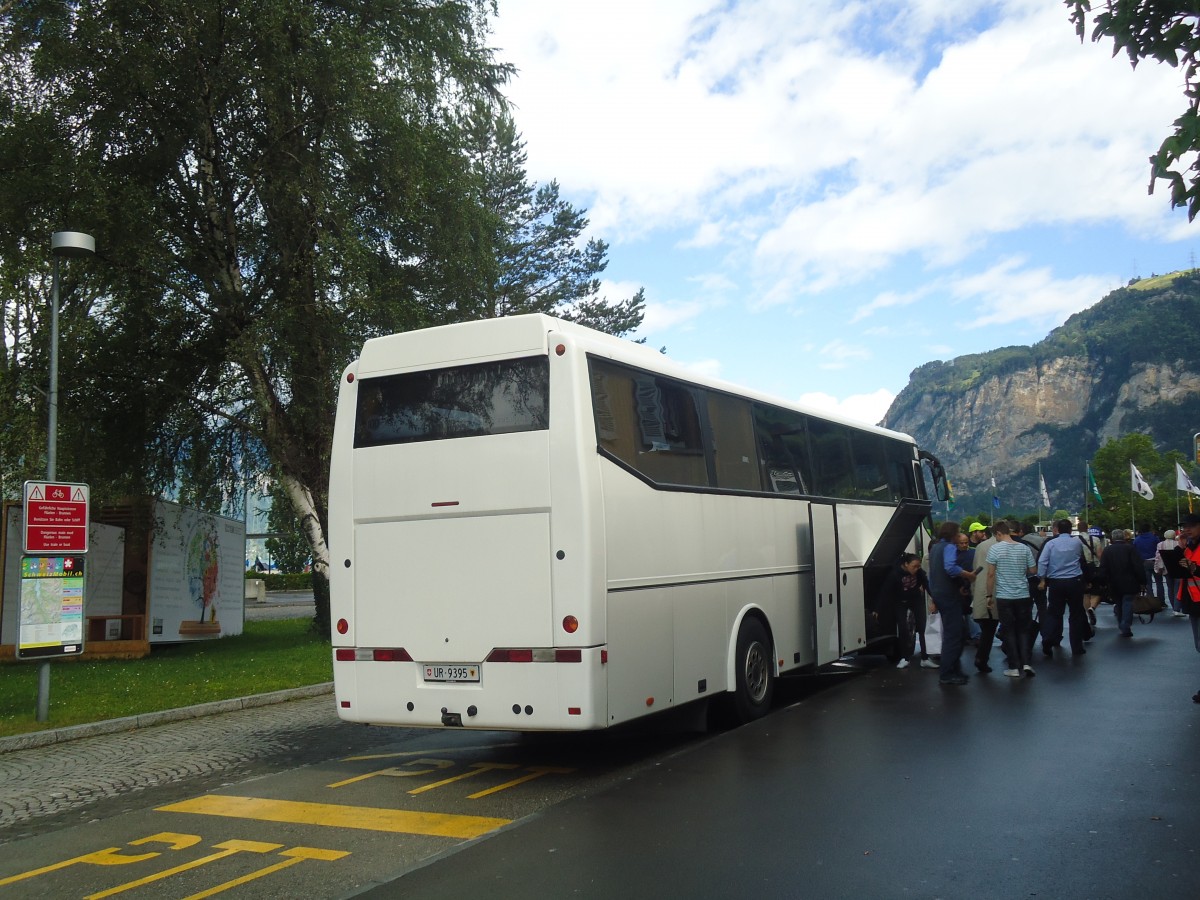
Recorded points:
55,540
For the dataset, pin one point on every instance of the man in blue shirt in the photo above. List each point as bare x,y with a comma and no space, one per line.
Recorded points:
1146,544
1060,571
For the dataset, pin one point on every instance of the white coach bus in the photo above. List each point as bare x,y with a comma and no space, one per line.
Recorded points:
536,526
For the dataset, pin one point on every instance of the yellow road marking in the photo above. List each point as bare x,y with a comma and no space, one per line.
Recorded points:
364,818
429,752
297,854
33,873
538,772
399,771
111,856
476,768
227,848
175,841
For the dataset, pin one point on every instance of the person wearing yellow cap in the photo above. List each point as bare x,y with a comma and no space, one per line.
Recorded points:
977,533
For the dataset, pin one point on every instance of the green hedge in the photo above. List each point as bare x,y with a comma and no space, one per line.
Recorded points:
300,581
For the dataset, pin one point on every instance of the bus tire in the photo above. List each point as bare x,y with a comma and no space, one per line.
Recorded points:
754,673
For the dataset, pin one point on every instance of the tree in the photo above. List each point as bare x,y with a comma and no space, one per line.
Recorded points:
289,549
270,185
1167,32
1121,506
538,262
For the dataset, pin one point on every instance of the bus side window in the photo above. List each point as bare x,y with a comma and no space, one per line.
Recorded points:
733,443
901,475
650,423
783,449
832,462
672,449
870,474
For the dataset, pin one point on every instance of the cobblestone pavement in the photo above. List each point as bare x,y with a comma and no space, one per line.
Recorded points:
90,778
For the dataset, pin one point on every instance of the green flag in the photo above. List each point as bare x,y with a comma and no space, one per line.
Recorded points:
1092,485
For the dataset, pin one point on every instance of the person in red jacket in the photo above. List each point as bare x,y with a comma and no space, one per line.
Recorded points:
1189,587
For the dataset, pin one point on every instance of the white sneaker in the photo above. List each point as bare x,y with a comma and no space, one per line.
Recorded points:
1029,671
1179,615
903,664
928,663
1013,673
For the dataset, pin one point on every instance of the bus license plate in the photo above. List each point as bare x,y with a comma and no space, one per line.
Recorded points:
448,673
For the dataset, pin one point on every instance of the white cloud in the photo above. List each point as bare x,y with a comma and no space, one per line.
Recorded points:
858,148
837,354
1008,293
664,316
707,367
869,408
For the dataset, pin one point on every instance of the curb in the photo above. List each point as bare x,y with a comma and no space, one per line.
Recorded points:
37,739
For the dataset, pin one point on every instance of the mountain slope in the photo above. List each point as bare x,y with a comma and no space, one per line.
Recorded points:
1129,363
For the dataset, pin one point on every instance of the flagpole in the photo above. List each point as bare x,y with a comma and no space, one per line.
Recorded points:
1086,490
1132,520
1041,492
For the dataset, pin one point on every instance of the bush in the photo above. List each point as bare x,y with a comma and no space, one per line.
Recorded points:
299,581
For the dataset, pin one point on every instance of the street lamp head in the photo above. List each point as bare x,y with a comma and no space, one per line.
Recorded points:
72,243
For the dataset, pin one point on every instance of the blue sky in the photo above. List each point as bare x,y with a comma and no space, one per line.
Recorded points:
819,196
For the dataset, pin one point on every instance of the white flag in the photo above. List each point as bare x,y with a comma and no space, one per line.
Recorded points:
1183,483
1045,493
994,480
1138,483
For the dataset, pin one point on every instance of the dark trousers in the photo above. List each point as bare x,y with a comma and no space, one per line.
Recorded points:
987,634
1037,629
910,633
1065,593
1017,618
953,634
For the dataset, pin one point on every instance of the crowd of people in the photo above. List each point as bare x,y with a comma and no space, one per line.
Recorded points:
1004,580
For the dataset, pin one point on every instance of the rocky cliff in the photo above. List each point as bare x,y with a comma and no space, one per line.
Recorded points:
1129,363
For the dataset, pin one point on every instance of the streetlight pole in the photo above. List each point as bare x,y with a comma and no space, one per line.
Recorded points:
69,244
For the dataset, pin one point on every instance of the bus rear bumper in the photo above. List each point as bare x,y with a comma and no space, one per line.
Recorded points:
534,696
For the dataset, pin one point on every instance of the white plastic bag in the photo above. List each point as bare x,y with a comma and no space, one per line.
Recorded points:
933,634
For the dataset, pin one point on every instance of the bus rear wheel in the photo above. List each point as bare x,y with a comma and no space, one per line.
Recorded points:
755,674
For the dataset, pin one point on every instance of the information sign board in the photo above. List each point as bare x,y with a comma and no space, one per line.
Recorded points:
51,607
56,518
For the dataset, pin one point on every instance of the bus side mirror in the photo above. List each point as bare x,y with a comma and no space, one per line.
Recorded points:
937,472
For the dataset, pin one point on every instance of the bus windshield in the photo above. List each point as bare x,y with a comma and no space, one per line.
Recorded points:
502,397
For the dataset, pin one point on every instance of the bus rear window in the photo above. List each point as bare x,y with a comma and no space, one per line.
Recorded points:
464,401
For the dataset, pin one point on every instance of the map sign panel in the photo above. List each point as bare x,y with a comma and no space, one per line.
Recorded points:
51,606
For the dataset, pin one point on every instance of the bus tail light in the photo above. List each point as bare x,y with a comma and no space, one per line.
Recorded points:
538,654
342,626
391,654
369,654
570,624
510,655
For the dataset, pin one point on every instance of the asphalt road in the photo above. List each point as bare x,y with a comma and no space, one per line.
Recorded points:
1078,783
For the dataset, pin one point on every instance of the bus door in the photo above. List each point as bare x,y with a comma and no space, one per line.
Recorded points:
822,529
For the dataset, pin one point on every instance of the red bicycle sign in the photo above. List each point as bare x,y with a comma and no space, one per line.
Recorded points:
56,517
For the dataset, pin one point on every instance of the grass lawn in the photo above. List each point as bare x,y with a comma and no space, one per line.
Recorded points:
267,656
